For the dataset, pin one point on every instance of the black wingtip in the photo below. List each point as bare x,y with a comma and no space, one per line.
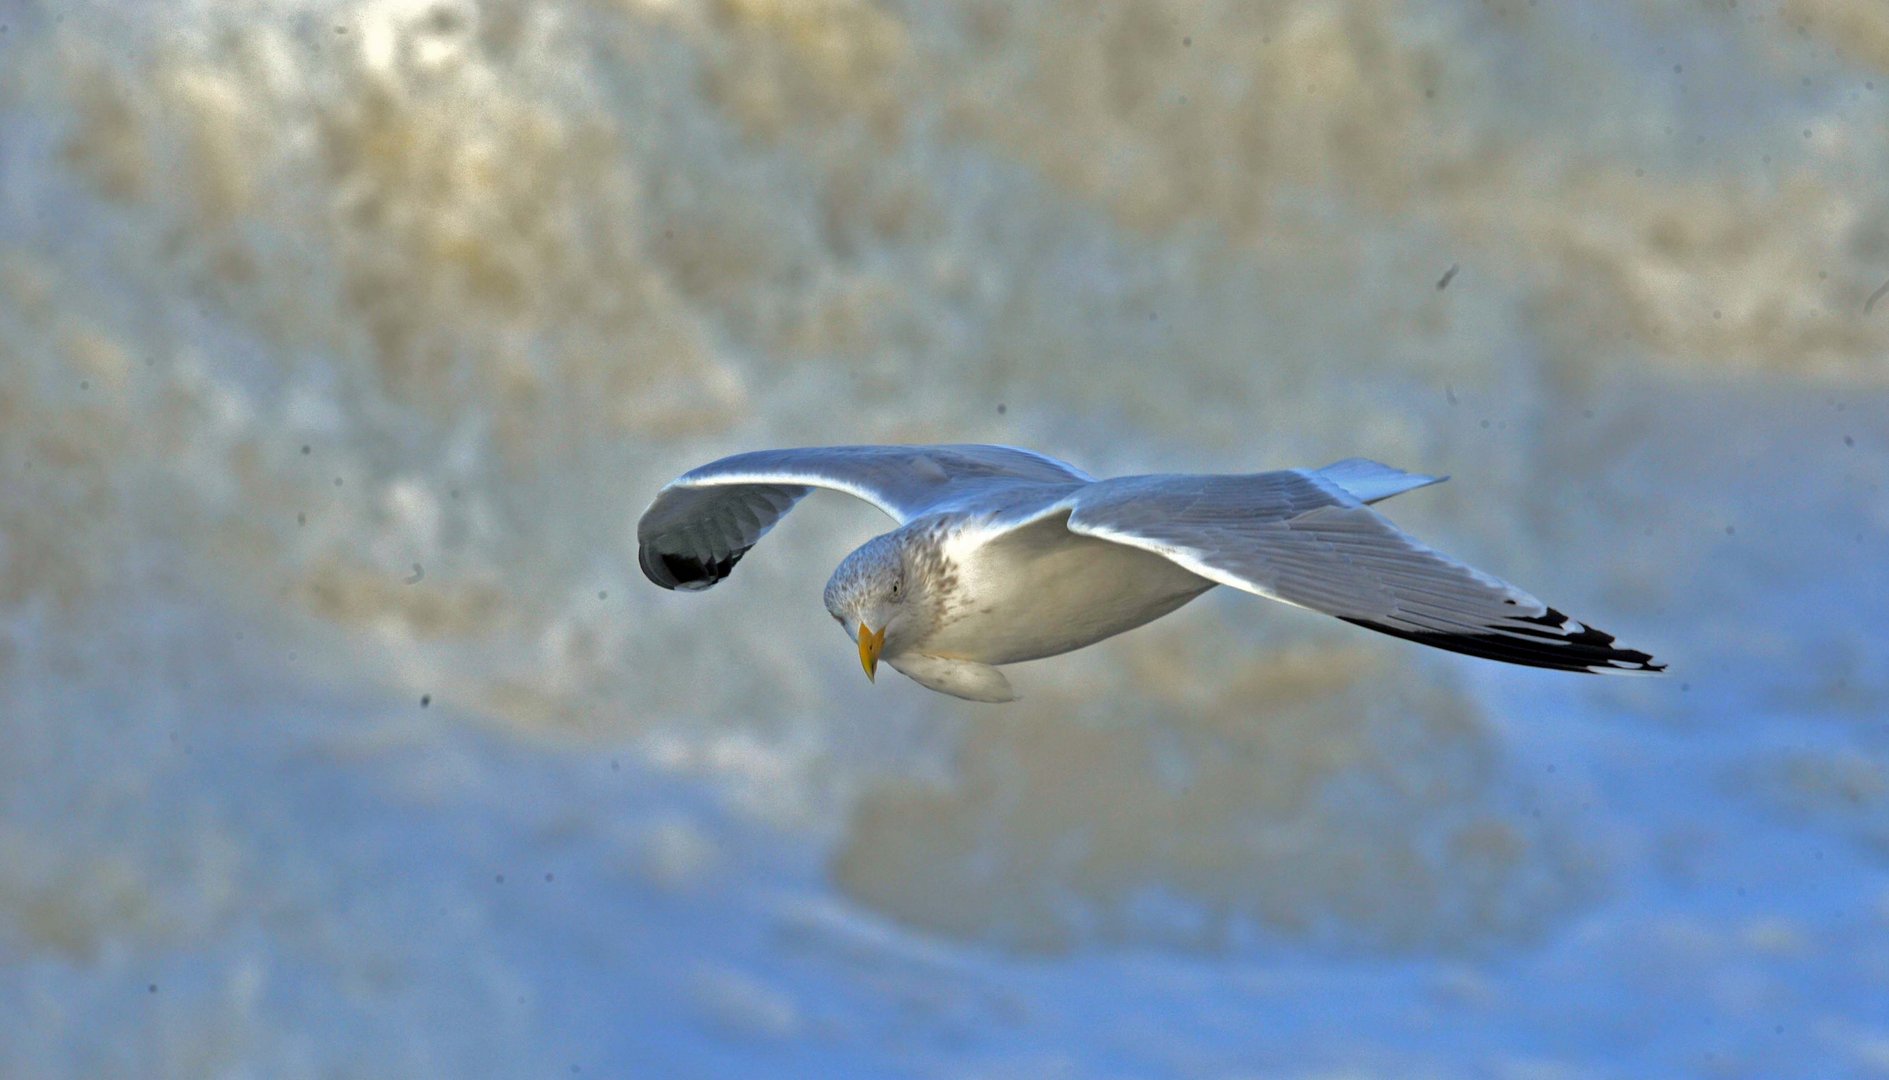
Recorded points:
1554,647
675,571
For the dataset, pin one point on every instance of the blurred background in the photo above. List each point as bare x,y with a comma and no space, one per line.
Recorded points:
341,345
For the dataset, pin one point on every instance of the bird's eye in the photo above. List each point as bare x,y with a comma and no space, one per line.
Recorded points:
897,585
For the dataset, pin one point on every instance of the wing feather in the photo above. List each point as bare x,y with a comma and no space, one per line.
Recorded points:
703,522
1307,538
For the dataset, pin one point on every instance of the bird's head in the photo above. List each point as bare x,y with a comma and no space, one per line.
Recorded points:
871,596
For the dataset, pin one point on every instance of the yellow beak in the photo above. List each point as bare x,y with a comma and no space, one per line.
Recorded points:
869,646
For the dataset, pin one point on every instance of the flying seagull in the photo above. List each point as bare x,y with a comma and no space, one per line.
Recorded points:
1003,555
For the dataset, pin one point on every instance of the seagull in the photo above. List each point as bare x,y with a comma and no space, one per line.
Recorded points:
1003,555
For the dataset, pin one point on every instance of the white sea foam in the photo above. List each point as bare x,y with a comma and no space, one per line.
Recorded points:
296,297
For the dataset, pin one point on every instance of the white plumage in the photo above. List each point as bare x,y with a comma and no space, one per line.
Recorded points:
1004,555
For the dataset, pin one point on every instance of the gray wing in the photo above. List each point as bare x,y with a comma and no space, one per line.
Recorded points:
705,520
1304,538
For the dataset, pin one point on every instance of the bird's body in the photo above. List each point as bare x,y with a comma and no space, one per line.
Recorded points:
1076,590
1003,555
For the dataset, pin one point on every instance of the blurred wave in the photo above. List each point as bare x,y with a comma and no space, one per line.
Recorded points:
348,339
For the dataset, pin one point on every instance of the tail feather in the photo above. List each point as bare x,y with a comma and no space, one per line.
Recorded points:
1371,481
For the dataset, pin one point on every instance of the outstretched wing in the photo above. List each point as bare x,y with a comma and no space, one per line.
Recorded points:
704,521
1304,538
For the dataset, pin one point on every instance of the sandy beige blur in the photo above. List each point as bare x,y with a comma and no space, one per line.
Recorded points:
442,291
